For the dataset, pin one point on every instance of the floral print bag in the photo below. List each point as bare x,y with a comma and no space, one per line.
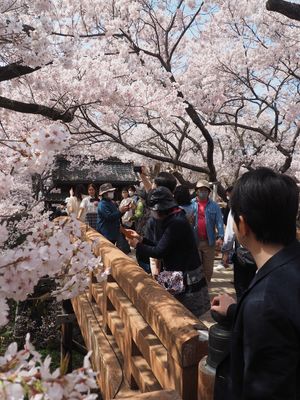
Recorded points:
172,281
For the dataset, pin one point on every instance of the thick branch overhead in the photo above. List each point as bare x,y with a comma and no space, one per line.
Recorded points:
31,108
15,70
290,10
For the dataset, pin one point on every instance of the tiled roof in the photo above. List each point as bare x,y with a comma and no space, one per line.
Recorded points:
86,171
55,198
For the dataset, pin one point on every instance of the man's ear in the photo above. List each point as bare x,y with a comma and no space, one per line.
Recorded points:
243,227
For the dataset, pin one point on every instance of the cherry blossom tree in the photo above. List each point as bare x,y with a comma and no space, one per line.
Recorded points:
261,91
141,62
30,137
206,86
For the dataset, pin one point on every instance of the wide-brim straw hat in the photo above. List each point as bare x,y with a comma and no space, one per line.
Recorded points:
203,183
105,188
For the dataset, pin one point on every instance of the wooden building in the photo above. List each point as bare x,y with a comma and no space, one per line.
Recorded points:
85,170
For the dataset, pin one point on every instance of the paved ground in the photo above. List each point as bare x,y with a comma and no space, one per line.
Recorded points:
221,282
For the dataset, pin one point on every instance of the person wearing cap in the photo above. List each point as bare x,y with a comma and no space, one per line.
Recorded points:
176,248
207,221
108,218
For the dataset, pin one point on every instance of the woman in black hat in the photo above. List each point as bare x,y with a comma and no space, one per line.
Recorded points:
178,251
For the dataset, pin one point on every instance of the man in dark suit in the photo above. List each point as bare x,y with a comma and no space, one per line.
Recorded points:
264,360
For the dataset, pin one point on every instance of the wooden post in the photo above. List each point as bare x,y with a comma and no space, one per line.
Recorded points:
92,280
185,380
106,306
66,337
131,350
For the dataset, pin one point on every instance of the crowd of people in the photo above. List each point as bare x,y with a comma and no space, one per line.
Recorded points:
176,233
174,228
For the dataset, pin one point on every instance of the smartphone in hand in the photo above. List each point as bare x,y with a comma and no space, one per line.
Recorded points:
128,233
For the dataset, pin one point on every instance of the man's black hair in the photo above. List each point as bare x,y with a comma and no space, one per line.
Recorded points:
182,195
268,201
132,187
167,180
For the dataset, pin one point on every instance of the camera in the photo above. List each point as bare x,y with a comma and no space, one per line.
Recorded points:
137,169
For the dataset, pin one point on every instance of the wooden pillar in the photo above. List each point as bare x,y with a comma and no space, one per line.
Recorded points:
106,306
185,380
92,280
66,337
131,350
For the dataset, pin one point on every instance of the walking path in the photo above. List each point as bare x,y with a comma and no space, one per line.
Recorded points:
222,281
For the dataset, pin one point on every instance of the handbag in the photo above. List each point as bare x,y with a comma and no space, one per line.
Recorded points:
172,281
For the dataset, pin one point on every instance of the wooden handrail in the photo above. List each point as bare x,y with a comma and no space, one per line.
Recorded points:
156,335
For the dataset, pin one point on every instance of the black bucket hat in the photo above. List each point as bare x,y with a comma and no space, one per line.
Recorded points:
161,199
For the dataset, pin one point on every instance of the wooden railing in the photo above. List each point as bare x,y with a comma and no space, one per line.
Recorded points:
141,337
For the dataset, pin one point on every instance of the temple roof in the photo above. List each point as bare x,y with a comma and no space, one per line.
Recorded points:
86,170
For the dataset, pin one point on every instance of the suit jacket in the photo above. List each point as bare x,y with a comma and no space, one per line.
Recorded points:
264,361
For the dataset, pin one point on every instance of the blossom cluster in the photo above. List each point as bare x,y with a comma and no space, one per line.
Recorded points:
51,249
5,184
23,374
38,148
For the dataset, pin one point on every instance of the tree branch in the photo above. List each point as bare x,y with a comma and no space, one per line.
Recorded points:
186,28
182,181
134,149
28,108
15,70
290,10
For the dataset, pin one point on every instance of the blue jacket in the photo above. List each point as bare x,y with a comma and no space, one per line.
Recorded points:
108,219
213,219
